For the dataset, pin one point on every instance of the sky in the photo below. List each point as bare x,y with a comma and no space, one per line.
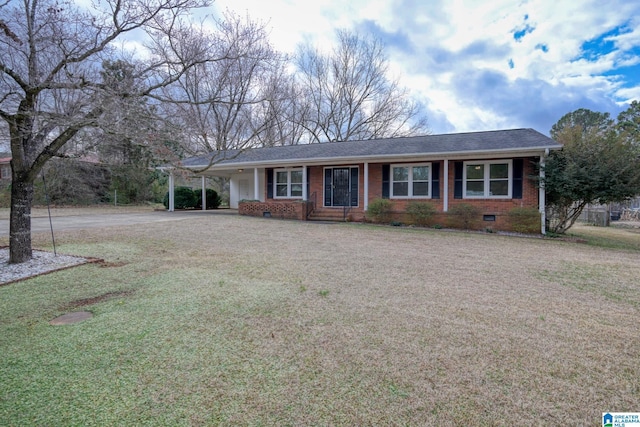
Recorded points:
481,65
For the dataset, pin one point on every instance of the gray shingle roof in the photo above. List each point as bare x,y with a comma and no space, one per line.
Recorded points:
512,140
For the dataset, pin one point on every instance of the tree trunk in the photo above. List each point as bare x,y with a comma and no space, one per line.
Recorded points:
20,223
564,216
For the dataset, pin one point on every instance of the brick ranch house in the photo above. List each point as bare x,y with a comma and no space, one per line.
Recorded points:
493,171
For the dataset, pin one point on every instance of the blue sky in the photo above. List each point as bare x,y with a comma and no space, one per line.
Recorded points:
480,65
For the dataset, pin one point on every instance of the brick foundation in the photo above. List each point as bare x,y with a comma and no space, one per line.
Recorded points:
296,209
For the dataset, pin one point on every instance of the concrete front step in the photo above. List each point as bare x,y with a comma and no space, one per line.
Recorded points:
326,216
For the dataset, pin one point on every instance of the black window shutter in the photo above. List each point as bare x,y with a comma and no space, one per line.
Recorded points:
457,180
354,187
308,184
386,169
435,180
328,178
269,183
518,172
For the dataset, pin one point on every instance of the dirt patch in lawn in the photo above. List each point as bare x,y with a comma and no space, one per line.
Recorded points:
71,318
94,300
112,264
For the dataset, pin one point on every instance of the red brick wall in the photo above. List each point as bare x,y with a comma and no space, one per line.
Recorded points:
497,207
316,184
294,209
501,207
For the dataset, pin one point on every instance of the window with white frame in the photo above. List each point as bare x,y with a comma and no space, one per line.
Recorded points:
487,179
411,181
288,183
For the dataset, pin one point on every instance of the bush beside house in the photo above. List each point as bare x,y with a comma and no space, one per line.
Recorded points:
524,220
187,198
379,210
421,213
464,216
213,199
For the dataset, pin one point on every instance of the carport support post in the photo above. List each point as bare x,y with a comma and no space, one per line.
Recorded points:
204,194
256,183
171,193
366,186
305,196
445,178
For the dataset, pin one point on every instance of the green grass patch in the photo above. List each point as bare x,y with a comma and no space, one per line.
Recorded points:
175,343
625,238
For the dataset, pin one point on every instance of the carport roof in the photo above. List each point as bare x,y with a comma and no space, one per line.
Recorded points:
456,145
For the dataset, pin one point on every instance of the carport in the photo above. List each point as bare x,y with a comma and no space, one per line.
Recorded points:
244,183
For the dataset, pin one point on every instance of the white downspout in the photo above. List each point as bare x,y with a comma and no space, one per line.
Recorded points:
445,200
542,195
204,194
171,193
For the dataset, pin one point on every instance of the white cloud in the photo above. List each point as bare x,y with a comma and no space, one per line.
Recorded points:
456,54
628,40
628,94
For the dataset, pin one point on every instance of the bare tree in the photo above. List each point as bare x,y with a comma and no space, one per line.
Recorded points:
350,95
50,82
223,99
281,112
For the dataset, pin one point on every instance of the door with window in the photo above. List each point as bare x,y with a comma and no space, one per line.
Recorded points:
244,189
341,186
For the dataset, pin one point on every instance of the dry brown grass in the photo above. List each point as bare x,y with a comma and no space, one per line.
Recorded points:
42,211
351,324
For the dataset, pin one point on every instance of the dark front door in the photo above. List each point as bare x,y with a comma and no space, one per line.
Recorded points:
340,187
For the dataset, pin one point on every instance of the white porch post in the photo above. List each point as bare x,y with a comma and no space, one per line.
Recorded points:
204,194
256,184
305,196
542,196
171,193
366,186
445,178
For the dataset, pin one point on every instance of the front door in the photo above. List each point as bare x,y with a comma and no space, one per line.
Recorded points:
244,189
341,187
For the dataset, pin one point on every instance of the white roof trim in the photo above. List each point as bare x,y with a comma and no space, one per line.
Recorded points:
451,155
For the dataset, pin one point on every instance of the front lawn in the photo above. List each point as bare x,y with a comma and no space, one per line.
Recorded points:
229,320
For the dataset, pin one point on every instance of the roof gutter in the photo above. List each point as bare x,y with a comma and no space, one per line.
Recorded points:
451,155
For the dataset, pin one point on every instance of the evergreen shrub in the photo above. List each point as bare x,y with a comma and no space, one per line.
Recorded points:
380,210
421,213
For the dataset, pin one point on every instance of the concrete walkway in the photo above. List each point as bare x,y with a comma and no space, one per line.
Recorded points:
82,222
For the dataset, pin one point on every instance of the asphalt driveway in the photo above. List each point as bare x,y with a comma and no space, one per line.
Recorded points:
81,222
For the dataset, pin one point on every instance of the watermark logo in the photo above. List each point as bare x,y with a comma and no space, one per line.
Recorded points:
621,419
